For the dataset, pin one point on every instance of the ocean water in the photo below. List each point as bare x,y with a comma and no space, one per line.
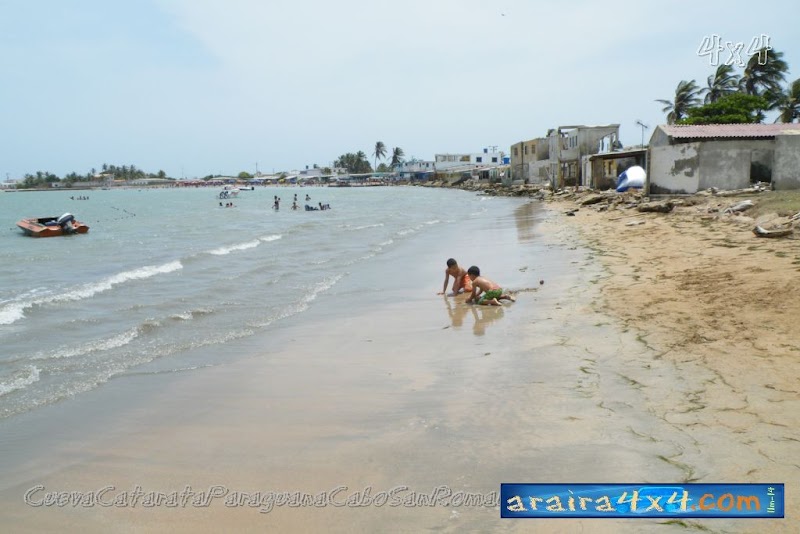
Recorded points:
167,281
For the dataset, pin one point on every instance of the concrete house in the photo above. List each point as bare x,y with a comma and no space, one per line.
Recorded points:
568,145
415,169
684,159
530,161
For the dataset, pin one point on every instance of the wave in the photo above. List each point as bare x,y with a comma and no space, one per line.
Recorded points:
20,381
191,314
363,227
113,342
222,251
15,311
301,305
414,229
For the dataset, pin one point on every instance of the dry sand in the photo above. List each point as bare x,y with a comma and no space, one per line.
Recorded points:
723,305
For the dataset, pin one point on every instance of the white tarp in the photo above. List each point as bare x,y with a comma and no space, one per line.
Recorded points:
632,178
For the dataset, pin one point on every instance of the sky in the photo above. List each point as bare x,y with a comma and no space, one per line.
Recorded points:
198,87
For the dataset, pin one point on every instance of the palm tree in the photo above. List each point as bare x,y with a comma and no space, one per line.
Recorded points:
789,103
763,75
723,82
380,152
362,164
397,156
686,96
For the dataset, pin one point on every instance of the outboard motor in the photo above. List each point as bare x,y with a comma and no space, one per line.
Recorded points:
65,222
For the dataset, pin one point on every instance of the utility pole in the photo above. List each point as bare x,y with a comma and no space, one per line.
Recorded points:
646,170
644,126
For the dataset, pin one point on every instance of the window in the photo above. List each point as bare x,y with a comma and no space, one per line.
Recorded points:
526,150
494,159
478,159
515,152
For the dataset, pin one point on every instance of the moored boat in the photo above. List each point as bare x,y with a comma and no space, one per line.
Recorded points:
52,226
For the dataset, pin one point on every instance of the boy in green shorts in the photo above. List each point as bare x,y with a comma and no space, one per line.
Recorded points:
484,291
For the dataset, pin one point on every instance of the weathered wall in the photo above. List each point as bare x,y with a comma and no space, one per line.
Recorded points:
692,167
726,164
786,172
674,168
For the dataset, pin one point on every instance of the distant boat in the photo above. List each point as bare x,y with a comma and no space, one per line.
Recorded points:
52,226
228,192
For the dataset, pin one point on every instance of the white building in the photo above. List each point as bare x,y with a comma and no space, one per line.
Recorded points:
445,162
415,169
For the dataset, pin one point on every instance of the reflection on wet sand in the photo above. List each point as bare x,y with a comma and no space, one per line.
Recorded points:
483,315
524,217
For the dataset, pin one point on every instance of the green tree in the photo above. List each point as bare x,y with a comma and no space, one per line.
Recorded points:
244,175
397,156
686,96
736,108
789,103
380,152
723,82
354,163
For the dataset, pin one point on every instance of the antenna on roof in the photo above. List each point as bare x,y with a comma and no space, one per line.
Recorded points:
644,127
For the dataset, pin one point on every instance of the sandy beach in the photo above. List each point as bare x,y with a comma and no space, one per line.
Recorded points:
662,352
721,305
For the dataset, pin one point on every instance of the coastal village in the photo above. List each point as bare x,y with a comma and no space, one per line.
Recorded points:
679,159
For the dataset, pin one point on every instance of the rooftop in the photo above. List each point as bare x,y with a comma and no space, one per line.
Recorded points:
697,131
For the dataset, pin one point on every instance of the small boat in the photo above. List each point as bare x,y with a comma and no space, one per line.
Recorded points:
228,192
52,226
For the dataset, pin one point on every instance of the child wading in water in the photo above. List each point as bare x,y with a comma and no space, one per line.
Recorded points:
492,293
461,281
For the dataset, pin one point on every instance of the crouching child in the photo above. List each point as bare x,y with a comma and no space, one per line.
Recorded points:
485,291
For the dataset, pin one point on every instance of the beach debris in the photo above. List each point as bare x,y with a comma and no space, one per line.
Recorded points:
755,188
665,206
781,232
740,207
634,223
592,199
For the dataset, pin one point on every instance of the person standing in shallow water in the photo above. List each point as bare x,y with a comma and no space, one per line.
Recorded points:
485,291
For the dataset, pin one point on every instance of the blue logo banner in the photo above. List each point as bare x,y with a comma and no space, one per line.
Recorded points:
641,500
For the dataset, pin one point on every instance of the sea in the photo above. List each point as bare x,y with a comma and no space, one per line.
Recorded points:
173,281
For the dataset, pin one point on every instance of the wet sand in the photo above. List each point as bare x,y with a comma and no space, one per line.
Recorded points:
420,393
